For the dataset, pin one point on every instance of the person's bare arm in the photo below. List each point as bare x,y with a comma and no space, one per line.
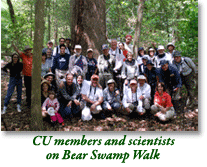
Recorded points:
16,49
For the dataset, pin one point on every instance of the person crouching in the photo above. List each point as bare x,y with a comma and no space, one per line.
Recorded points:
131,101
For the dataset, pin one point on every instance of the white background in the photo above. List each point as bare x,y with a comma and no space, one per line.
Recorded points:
189,149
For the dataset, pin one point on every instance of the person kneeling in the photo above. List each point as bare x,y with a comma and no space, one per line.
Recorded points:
111,97
131,101
52,105
163,107
93,97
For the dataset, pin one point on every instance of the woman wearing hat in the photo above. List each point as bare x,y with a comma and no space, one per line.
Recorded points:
15,68
161,56
111,97
27,58
152,55
127,45
163,107
92,64
141,53
171,49
131,101
50,77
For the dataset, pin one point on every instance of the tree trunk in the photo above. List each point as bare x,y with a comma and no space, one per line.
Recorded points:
48,18
11,11
88,24
138,27
31,12
36,114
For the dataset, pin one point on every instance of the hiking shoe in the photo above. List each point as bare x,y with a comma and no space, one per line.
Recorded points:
4,110
18,108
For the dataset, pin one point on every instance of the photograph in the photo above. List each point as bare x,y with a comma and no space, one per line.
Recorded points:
99,65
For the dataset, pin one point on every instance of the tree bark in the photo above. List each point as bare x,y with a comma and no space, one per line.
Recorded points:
138,27
88,26
48,18
11,11
36,114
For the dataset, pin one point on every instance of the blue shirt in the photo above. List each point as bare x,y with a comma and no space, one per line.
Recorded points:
151,75
60,62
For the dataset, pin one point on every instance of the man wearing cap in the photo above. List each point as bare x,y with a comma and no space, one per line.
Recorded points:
171,49
27,58
111,98
92,64
161,56
79,61
187,70
68,97
106,63
131,100
152,77
127,45
93,96
49,46
57,49
169,75
143,65
145,92
60,64
119,57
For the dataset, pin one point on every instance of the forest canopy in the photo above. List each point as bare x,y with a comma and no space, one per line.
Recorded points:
162,22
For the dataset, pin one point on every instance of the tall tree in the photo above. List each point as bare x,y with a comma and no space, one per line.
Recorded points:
36,114
138,27
11,10
88,26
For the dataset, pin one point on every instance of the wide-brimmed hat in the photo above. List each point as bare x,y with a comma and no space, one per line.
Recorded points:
27,47
141,77
110,81
49,74
45,81
170,44
161,47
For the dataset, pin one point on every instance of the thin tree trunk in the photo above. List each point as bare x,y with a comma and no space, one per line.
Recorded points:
138,27
48,18
88,26
31,12
11,11
36,114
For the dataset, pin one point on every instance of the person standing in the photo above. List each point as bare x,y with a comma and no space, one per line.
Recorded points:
15,68
105,66
49,46
78,62
161,56
171,49
128,46
57,49
27,58
92,64
187,70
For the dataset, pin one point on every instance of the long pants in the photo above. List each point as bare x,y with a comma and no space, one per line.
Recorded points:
103,78
163,117
189,84
57,117
12,83
69,111
28,85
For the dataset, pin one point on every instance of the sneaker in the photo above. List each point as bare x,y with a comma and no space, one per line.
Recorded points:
4,110
18,108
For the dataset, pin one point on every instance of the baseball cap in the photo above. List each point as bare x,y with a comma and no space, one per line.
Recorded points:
89,50
94,76
78,47
161,47
105,46
141,77
163,62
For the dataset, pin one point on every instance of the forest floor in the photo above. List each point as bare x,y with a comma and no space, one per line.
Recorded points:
186,120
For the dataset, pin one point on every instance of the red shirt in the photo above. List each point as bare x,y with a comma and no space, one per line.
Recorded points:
27,64
125,54
164,100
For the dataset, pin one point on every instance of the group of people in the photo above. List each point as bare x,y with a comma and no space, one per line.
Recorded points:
114,84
